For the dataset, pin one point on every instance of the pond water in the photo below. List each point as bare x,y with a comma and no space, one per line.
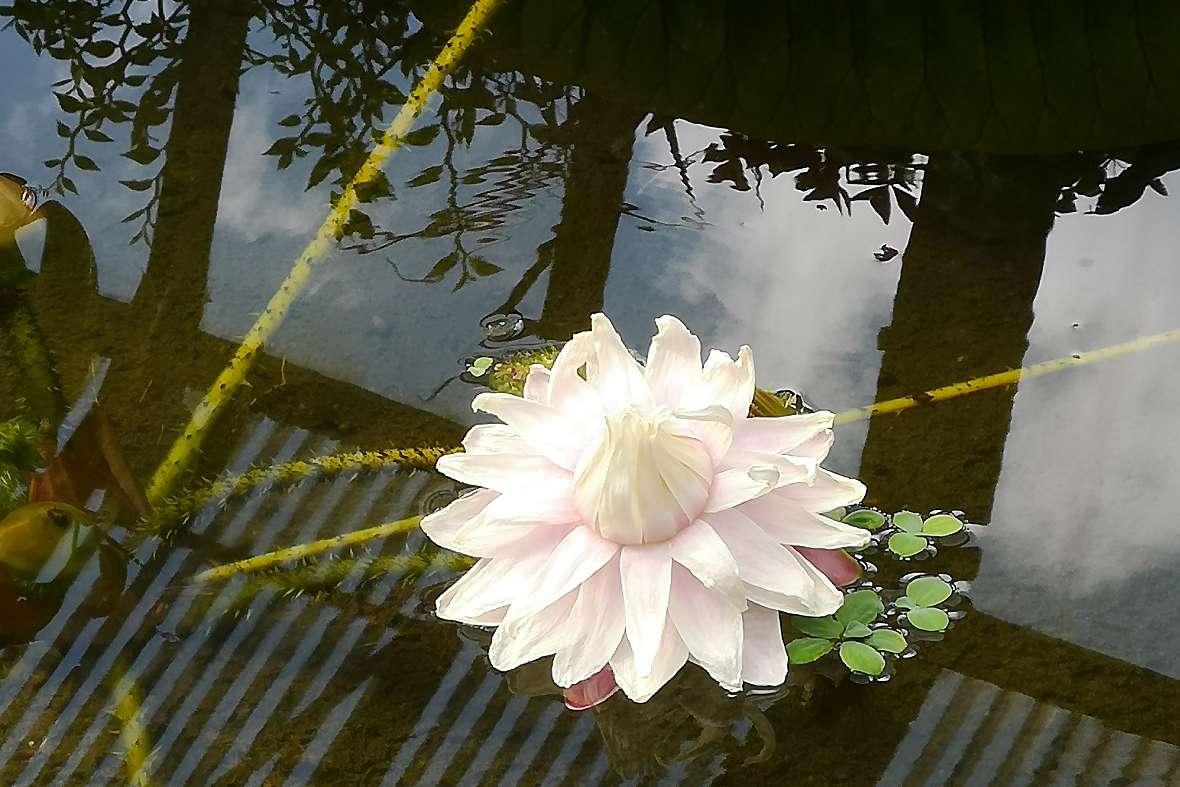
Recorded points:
909,227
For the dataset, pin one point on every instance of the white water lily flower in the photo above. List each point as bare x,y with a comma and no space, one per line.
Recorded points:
637,516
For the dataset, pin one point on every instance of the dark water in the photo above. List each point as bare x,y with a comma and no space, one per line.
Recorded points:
589,158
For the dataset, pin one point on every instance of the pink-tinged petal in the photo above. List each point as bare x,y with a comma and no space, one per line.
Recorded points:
572,562
733,487
825,492
489,585
647,576
791,469
789,523
725,382
536,384
619,378
598,623
673,362
713,426
549,431
816,448
775,576
595,690
835,564
699,549
512,524
505,473
486,439
672,655
764,657
710,626
568,389
780,435
444,525
533,636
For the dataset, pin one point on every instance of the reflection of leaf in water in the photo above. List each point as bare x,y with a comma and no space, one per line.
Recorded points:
481,267
425,177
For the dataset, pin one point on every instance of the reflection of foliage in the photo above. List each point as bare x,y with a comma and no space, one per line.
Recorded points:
109,48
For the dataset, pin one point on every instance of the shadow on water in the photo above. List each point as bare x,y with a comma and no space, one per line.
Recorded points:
528,190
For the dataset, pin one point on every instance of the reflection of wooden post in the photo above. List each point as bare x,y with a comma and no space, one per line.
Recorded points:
963,308
597,181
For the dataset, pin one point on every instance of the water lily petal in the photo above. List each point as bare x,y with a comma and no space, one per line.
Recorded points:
764,657
835,564
444,525
780,435
594,690
737,485
789,523
489,585
581,553
534,636
699,549
825,492
713,426
505,473
549,431
619,378
487,439
568,390
816,448
726,382
672,655
673,362
536,384
647,577
598,622
775,575
710,626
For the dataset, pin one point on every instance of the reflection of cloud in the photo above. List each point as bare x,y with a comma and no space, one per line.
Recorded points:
1085,537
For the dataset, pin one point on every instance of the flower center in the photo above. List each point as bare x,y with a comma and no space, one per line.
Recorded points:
645,479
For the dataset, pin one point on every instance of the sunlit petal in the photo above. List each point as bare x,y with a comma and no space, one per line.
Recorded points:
764,657
597,622
710,626
671,656
619,378
673,362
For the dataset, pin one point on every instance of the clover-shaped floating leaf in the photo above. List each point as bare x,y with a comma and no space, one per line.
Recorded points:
906,544
928,591
862,606
907,521
826,627
928,619
942,525
859,657
866,518
480,366
887,641
805,651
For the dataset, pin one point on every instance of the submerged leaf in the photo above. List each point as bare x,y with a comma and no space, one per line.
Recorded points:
859,657
805,651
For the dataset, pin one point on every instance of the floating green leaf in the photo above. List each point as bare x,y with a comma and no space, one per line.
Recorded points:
907,521
905,602
928,591
480,366
836,513
887,641
928,619
866,518
906,544
942,525
859,657
857,631
805,651
863,606
826,627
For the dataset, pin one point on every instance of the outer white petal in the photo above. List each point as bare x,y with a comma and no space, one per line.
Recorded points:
549,431
713,426
512,524
534,636
647,577
775,576
568,390
735,486
489,585
619,378
444,525
789,523
573,561
764,657
672,655
495,439
536,384
780,435
597,622
699,549
673,362
505,473
710,626
816,448
791,469
826,491
726,382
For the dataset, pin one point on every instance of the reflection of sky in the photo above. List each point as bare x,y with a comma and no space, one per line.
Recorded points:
1083,544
